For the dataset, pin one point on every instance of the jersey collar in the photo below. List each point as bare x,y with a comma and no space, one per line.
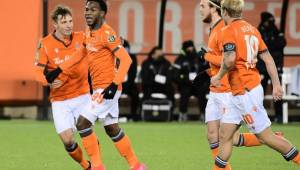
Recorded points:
211,28
66,45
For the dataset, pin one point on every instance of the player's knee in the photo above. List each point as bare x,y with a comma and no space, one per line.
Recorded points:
83,123
212,135
68,142
224,136
112,130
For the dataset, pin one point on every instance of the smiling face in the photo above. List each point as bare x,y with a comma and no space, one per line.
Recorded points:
64,25
93,13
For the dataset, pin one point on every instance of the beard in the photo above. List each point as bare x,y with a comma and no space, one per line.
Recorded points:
207,19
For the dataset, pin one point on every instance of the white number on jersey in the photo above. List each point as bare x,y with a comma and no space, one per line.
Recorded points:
252,50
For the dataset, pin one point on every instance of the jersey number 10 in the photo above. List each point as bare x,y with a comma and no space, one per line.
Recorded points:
252,51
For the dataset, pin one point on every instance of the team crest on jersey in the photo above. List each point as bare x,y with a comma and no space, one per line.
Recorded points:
111,38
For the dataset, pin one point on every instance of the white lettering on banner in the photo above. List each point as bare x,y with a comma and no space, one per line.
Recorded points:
272,6
138,31
172,26
294,33
199,28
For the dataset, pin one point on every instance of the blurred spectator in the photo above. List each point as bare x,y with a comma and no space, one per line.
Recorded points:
129,86
275,42
156,75
187,65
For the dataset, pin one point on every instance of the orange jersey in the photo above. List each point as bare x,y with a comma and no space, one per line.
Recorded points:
214,56
248,43
53,52
102,48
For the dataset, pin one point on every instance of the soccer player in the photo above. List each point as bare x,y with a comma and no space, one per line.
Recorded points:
68,94
217,109
241,44
102,46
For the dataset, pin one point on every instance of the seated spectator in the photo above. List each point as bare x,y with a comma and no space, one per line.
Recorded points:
157,76
186,67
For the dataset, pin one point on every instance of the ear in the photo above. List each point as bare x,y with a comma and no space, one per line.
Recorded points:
55,25
102,14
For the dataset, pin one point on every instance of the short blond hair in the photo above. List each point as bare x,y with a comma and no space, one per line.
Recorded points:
233,7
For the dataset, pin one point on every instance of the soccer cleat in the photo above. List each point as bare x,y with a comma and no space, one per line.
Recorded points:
139,167
101,167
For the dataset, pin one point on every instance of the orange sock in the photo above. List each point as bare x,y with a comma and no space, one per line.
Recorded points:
215,152
249,139
217,168
293,155
214,149
92,147
297,159
125,149
78,157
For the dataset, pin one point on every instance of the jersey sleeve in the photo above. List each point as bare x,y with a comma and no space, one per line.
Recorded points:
111,40
213,59
114,44
40,63
228,40
262,47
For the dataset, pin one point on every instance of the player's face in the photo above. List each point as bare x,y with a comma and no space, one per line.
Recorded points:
92,13
64,25
205,11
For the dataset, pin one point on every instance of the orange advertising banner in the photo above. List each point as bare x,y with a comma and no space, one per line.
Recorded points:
137,21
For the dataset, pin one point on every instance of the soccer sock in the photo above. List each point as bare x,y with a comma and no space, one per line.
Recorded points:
122,143
214,149
248,140
76,153
293,155
91,146
220,164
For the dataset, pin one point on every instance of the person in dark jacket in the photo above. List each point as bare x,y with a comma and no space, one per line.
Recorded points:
186,67
275,42
156,75
129,86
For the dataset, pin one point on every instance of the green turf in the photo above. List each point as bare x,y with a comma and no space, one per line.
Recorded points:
33,145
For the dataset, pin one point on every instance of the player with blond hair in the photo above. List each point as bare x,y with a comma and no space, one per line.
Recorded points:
217,109
242,43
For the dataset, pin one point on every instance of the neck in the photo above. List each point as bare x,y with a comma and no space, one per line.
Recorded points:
61,36
97,25
215,18
230,20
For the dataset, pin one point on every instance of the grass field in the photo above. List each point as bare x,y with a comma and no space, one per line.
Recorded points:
33,145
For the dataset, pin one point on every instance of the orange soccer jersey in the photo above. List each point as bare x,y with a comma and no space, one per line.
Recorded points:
53,52
102,47
248,44
214,56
